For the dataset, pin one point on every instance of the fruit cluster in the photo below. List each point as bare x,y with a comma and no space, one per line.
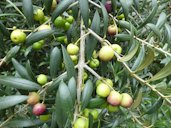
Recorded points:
73,50
105,89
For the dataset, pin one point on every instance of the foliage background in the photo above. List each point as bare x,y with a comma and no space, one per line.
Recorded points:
145,39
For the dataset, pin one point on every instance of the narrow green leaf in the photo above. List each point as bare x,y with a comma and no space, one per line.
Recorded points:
61,7
34,37
91,41
56,81
105,18
29,70
84,10
137,100
161,20
125,6
126,25
61,117
164,72
4,30
28,11
21,69
72,88
55,61
53,123
114,5
65,99
16,123
168,30
140,58
48,5
90,121
12,52
150,17
131,54
96,102
155,106
155,30
9,101
18,83
123,37
69,65
86,94
148,59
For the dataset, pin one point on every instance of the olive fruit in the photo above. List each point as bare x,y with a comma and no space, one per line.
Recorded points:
44,27
59,22
114,98
112,29
106,53
33,98
81,123
18,36
94,113
94,63
44,117
39,109
126,100
102,90
42,79
72,49
111,108
117,48
39,15
108,6
70,19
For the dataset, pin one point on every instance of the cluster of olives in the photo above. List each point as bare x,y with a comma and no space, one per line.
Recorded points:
114,98
73,50
39,109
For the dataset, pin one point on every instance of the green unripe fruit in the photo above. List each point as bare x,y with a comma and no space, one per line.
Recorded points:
102,90
18,36
111,108
70,19
94,63
61,39
98,82
121,16
109,81
37,46
42,42
39,15
74,58
67,26
72,49
85,76
44,117
117,48
81,123
59,22
42,79
86,112
106,53
44,27
94,113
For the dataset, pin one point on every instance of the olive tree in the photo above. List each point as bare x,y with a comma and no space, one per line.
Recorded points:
85,63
